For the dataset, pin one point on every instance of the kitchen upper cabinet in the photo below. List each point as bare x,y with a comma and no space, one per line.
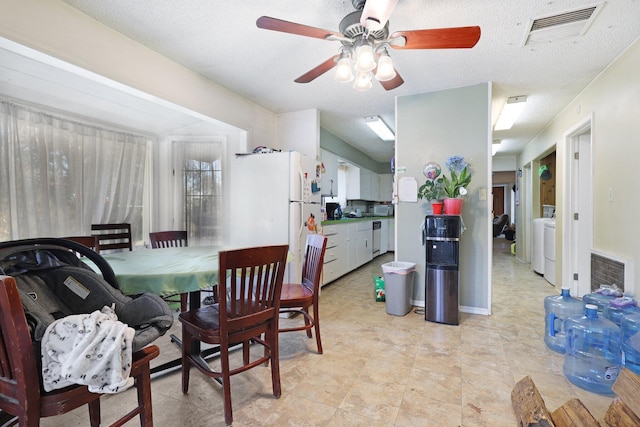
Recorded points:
329,182
362,184
386,187
365,184
353,182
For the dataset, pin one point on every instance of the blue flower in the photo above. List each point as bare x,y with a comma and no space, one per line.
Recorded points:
456,164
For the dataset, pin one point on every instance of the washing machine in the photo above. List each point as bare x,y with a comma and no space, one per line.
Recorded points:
550,251
537,257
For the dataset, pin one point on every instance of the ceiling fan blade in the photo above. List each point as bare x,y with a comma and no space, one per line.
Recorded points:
438,38
275,24
318,71
393,83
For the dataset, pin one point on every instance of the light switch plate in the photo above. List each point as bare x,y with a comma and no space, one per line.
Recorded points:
483,194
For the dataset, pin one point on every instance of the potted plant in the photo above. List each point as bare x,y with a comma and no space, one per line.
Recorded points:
433,188
455,186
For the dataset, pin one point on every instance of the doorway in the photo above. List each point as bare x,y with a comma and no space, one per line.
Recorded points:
577,238
498,200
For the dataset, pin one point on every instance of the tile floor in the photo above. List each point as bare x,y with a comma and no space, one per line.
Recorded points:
383,370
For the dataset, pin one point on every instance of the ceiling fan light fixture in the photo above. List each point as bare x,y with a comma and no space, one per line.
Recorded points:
344,74
385,70
365,57
376,13
363,80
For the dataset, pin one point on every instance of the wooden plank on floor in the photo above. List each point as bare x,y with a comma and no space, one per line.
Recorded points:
627,387
573,414
529,406
620,415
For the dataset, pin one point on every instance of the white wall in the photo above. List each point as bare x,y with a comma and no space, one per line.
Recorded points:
54,28
433,127
613,99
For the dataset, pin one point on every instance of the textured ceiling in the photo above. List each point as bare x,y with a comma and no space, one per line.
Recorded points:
219,39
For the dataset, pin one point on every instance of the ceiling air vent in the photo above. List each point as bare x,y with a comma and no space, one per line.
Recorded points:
561,26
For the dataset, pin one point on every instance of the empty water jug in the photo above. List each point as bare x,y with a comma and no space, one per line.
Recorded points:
620,307
602,296
631,342
557,308
592,356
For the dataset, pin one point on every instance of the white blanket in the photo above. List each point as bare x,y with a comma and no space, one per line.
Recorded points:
89,349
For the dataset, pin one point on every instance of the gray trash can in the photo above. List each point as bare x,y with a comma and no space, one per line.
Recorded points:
398,286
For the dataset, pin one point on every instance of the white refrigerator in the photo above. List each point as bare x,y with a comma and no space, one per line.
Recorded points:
272,203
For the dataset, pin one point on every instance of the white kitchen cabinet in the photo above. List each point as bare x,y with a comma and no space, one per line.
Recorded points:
374,187
334,256
365,184
351,240
353,182
364,244
385,188
384,236
329,181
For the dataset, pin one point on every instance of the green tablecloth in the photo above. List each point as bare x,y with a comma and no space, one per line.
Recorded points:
164,272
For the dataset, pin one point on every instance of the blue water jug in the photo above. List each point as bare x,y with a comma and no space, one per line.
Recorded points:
599,300
592,357
631,342
615,313
557,308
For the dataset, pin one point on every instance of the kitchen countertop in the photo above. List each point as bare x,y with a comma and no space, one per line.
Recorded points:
348,220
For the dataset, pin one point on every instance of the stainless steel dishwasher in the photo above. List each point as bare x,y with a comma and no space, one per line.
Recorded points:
377,229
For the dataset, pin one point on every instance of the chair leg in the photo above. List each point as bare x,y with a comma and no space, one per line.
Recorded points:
184,306
226,383
143,384
307,323
275,361
94,413
316,322
186,364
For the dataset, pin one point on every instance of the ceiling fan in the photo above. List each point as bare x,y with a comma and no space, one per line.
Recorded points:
365,39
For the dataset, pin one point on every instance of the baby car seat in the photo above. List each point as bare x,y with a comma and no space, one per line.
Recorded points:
53,283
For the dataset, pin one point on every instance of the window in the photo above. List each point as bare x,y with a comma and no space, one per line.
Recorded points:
58,176
200,166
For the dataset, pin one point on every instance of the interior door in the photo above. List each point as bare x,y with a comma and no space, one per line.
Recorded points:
498,200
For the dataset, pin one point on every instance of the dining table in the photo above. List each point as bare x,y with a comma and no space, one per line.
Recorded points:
166,272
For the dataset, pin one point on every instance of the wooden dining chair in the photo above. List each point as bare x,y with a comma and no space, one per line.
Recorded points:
171,239
89,241
299,297
21,392
245,311
113,236
168,239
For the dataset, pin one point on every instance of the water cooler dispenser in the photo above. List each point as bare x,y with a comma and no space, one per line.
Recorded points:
442,240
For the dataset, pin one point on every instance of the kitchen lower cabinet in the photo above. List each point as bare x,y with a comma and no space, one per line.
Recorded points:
350,245
364,242
352,241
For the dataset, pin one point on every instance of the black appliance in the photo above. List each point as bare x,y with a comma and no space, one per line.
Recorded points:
331,210
442,240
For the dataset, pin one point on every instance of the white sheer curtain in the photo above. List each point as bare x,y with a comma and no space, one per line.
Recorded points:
58,176
200,165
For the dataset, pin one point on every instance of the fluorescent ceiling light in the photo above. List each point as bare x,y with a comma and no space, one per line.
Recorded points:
510,112
495,146
380,128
